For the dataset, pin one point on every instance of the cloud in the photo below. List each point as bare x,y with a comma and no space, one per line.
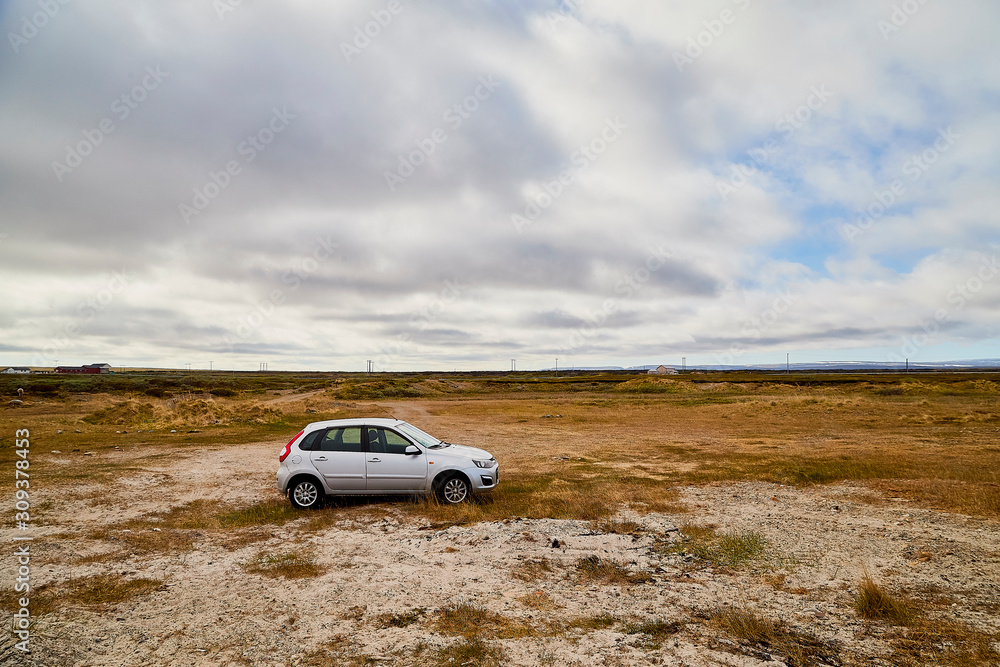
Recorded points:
350,193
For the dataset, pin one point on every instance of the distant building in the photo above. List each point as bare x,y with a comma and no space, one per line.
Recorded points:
89,368
16,369
662,370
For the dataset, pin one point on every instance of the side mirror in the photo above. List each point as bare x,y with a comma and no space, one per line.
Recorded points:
411,450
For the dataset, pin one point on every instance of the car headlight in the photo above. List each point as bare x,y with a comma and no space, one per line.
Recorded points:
484,464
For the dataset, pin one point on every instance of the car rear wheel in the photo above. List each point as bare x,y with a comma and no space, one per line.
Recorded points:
454,490
305,494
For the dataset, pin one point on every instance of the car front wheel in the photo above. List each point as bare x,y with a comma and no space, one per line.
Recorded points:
455,490
305,494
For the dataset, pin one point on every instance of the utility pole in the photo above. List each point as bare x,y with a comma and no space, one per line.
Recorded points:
684,363
210,366
513,365
787,366
557,365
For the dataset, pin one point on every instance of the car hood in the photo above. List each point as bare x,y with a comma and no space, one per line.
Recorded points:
466,452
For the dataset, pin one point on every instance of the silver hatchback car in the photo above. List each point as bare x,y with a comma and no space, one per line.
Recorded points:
380,457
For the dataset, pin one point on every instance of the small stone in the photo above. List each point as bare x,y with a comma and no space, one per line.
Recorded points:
555,543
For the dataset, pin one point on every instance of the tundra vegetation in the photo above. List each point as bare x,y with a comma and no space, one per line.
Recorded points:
577,446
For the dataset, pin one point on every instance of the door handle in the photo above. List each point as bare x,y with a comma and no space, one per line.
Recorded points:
321,458
374,460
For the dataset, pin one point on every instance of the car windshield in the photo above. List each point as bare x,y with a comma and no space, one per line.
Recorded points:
425,439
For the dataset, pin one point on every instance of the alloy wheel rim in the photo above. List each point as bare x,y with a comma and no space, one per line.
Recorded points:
306,494
455,491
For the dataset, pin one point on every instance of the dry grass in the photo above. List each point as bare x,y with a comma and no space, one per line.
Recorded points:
730,549
655,632
97,591
288,565
591,623
470,652
575,494
474,622
874,603
539,601
401,619
533,569
609,572
919,638
756,632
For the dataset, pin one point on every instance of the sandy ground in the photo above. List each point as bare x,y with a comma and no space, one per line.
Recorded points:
210,611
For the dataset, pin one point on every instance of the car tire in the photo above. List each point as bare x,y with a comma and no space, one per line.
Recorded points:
305,494
454,490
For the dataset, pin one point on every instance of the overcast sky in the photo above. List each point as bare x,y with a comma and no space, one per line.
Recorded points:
452,185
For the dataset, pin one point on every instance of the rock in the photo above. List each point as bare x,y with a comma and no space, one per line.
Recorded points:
59,432
173,430
56,451
78,431
15,402
555,543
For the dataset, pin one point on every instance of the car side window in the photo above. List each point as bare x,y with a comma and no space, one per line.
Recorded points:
394,442
309,442
342,440
376,441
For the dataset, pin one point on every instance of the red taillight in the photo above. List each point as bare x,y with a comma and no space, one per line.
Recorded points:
288,447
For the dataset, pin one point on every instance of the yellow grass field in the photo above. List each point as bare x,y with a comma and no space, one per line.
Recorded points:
135,472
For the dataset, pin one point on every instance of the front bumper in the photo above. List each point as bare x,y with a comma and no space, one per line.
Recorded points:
485,480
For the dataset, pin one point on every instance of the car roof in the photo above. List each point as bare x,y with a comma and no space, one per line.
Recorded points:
372,421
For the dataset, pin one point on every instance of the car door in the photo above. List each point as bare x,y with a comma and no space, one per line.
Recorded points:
339,456
388,467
